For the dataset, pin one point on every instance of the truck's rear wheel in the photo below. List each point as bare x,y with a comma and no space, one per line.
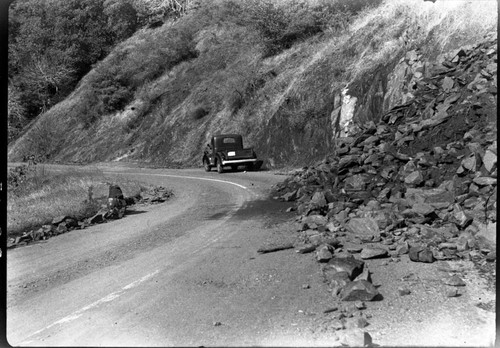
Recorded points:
220,169
206,165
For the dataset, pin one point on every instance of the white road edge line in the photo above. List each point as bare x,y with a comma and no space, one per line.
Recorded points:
116,294
185,177
108,298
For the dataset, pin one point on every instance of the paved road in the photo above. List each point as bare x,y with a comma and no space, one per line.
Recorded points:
167,274
186,273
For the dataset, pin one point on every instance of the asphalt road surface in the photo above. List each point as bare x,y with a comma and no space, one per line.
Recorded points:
187,273
164,275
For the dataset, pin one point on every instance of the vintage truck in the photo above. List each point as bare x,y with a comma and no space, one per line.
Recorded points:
227,150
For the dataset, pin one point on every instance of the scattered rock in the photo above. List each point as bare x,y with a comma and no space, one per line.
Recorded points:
316,219
324,253
336,280
452,293
403,291
57,220
337,324
414,178
363,227
491,256
354,248
421,254
403,249
355,338
360,305
290,196
350,265
97,218
489,160
352,323
373,253
62,228
359,290
330,309
273,248
485,180
454,280
365,275
304,249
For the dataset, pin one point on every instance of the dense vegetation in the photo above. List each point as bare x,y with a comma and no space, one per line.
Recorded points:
54,43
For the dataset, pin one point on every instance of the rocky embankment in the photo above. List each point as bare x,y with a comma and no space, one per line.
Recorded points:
422,182
65,223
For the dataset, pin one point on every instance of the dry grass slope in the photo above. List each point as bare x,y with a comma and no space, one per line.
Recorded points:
44,196
160,95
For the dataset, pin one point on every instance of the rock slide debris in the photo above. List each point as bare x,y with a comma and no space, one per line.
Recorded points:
422,182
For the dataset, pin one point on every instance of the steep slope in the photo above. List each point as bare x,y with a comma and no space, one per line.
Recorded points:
211,72
420,182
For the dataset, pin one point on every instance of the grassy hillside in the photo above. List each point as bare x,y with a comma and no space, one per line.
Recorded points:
273,71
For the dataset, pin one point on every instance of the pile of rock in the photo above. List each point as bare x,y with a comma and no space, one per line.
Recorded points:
63,224
155,194
60,225
420,182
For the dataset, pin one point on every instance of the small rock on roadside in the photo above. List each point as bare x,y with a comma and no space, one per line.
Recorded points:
420,254
355,338
359,290
330,309
360,305
403,291
324,253
304,249
358,322
491,256
454,280
373,253
347,264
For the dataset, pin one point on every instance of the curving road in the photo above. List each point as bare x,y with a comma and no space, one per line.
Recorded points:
166,275
187,273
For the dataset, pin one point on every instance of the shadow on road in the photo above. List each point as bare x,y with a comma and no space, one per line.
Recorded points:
135,212
265,208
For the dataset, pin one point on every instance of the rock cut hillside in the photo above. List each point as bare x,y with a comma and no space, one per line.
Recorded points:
420,182
159,96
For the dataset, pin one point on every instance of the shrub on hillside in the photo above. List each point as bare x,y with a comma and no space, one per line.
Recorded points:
16,112
282,24
19,175
198,113
115,81
44,138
